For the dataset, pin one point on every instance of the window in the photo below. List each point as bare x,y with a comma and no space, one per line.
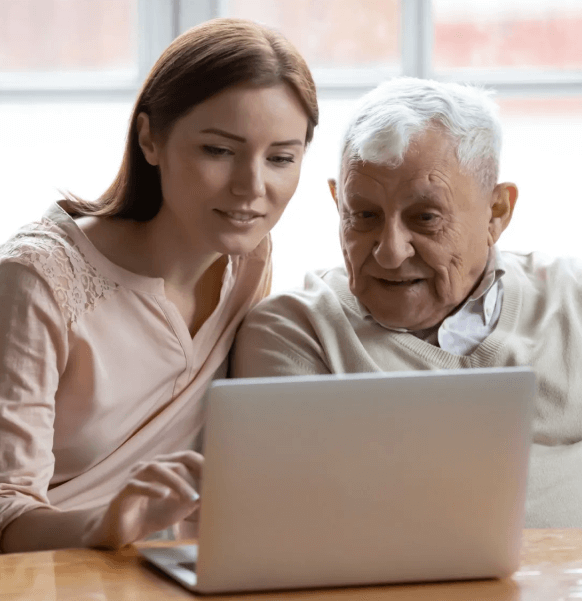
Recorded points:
330,35
56,43
518,36
73,46
529,51
64,110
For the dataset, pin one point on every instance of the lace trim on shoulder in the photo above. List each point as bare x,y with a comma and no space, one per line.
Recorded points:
76,284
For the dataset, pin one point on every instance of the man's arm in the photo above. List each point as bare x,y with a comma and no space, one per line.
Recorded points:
277,339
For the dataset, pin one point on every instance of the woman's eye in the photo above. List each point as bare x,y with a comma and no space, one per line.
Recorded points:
216,151
282,159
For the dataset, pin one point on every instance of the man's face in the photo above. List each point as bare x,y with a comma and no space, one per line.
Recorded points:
416,238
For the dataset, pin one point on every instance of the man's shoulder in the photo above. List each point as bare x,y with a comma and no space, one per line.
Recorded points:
297,331
538,263
542,275
320,288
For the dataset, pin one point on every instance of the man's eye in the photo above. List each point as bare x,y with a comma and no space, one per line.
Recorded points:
364,215
361,221
216,151
427,218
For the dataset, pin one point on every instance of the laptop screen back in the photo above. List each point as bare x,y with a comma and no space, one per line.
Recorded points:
363,479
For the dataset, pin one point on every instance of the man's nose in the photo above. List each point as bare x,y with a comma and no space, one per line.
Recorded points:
249,180
394,245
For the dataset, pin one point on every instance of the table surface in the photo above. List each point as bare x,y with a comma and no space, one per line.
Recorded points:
551,569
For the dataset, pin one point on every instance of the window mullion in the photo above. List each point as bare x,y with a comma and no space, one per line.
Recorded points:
156,27
193,12
416,38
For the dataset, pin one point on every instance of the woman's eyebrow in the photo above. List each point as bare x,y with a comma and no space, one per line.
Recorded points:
288,143
226,134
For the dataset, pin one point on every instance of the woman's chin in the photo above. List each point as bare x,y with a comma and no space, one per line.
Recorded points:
237,245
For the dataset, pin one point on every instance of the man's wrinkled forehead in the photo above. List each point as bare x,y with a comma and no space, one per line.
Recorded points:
358,180
430,160
433,141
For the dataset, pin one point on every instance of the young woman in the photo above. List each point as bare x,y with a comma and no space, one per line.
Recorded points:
116,314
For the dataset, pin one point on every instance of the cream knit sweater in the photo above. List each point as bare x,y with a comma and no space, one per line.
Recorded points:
321,329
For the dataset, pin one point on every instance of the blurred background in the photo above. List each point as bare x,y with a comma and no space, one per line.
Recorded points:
70,70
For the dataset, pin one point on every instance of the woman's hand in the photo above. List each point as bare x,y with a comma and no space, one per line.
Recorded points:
159,493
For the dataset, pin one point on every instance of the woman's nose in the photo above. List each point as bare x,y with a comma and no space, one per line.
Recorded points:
249,180
394,246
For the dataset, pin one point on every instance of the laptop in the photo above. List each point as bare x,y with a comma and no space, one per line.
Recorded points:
360,479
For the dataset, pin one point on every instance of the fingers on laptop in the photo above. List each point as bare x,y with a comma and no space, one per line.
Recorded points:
169,474
192,460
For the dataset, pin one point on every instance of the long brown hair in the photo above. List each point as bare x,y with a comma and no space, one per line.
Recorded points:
198,64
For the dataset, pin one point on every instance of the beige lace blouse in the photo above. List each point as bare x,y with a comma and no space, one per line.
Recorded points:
97,368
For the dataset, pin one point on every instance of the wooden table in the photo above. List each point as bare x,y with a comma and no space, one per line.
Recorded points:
551,570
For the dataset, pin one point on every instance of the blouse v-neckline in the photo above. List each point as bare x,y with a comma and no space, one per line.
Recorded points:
146,284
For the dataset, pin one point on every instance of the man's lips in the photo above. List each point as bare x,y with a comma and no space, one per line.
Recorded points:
399,281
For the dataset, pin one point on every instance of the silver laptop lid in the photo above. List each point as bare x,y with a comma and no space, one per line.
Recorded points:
364,478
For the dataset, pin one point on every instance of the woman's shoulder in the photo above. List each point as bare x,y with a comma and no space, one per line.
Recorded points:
37,245
41,235
46,249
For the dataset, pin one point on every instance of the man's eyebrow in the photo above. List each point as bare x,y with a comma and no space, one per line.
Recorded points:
226,134
426,197
357,196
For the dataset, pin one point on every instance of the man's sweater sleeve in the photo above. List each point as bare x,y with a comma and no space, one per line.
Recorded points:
277,339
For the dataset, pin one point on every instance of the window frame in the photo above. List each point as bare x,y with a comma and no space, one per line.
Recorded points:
157,26
416,61
160,21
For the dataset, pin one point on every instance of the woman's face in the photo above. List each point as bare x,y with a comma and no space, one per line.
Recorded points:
229,167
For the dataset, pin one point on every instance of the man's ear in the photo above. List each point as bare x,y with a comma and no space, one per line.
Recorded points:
503,203
146,139
332,183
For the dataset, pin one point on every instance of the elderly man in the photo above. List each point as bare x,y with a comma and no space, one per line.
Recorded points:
424,285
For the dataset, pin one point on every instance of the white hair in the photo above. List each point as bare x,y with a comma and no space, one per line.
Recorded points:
389,117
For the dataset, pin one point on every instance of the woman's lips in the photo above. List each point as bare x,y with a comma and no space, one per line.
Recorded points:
240,217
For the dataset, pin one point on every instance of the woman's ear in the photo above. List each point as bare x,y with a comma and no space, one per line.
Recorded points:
503,202
333,189
146,139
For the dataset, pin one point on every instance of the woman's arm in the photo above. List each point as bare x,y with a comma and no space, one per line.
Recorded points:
33,355
158,494
33,350
46,528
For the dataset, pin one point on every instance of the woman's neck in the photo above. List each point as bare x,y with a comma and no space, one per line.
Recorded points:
153,248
